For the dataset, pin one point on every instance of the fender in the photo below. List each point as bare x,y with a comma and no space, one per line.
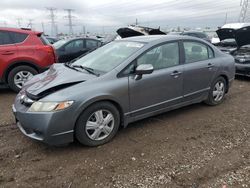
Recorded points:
100,98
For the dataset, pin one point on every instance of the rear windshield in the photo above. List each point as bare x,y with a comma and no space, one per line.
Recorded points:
43,39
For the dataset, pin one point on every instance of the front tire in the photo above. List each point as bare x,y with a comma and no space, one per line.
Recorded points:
98,124
217,92
19,75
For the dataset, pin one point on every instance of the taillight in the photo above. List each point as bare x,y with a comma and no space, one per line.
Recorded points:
50,50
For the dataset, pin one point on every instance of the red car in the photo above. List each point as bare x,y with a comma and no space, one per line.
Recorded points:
23,53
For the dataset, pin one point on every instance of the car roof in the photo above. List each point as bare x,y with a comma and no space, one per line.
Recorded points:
235,25
194,32
76,38
155,38
25,31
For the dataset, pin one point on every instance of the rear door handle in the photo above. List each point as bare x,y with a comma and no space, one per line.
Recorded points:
176,74
7,53
210,65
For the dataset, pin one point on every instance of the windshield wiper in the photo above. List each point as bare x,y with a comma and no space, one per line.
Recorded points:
89,70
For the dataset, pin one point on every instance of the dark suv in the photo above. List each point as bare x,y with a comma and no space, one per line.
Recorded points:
23,53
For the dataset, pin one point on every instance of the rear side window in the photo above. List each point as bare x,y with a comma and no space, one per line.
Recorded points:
5,38
210,53
195,51
18,37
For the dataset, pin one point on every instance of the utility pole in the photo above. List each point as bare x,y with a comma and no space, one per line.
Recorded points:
52,19
84,30
244,11
30,24
19,22
69,17
43,27
226,19
136,21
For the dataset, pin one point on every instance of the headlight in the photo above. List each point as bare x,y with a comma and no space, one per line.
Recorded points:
49,106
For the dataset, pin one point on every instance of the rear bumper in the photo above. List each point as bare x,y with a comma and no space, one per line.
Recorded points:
242,69
50,128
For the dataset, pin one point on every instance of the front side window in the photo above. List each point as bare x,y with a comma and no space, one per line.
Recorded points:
195,51
74,46
5,38
161,57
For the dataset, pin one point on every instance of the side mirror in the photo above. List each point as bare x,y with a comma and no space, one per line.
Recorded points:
143,69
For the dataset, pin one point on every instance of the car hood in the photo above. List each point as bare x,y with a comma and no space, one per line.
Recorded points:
57,77
225,34
241,36
127,32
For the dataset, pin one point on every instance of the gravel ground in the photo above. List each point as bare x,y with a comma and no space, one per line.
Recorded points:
196,146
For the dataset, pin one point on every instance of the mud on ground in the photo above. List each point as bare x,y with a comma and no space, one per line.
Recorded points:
196,146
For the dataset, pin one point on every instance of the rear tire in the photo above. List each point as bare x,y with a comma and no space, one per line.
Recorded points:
98,124
19,75
217,92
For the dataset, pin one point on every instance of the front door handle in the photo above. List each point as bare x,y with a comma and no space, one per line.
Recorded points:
176,74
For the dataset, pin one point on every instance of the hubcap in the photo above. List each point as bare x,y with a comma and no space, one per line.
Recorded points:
21,77
99,125
219,90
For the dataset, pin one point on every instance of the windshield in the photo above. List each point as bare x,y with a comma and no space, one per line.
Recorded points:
109,56
59,43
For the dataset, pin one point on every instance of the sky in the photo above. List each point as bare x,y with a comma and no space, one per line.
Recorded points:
106,16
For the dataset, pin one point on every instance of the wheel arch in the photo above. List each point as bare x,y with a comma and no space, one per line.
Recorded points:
16,64
226,79
102,99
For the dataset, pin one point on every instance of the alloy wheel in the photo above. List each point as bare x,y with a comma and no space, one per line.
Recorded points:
21,77
219,91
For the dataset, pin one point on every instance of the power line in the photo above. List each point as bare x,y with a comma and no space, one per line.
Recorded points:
30,24
244,12
19,22
69,17
52,19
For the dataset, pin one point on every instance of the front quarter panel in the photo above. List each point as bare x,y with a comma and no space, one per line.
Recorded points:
87,93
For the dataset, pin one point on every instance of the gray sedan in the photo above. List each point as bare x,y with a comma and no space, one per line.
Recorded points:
119,83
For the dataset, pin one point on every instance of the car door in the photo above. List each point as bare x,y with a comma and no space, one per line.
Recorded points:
199,69
163,87
8,50
72,50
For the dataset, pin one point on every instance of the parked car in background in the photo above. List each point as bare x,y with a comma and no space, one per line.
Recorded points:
198,34
23,53
174,33
119,83
135,30
235,40
52,40
69,49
